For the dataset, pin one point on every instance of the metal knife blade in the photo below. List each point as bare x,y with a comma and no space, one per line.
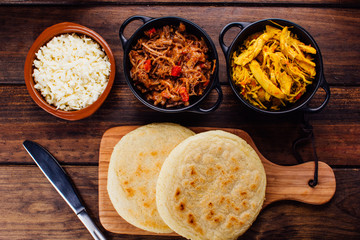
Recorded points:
61,182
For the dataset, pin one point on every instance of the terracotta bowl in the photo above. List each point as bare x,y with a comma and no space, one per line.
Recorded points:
47,35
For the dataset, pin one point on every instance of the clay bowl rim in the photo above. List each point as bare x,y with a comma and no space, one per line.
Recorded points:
42,39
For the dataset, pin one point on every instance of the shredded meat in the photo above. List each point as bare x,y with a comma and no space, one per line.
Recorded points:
169,66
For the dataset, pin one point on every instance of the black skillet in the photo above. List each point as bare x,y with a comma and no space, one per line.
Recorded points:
248,29
149,23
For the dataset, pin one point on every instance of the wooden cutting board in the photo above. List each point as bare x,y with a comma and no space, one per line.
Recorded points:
283,182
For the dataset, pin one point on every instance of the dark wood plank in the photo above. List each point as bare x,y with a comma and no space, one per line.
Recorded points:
336,128
329,26
128,2
32,209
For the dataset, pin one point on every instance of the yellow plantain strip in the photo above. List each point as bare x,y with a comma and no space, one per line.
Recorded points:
264,81
254,50
285,82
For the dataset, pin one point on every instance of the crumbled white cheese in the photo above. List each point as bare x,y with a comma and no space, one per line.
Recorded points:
71,71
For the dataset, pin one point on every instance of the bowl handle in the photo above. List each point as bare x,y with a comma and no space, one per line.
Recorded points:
144,19
198,109
324,85
240,25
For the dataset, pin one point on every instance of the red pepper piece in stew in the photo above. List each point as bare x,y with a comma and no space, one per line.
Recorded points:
298,96
184,94
176,71
147,65
151,31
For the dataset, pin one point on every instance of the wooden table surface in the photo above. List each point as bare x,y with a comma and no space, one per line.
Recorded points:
31,209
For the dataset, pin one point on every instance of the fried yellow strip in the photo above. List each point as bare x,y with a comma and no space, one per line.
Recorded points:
289,46
285,82
277,65
252,52
307,68
294,71
264,81
300,56
305,48
271,29
285,45
241,75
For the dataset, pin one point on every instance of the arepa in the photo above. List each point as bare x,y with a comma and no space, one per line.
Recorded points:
133,171
211,186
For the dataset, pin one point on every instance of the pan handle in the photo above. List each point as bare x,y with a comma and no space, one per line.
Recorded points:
144,19
198,109
324,85
240,25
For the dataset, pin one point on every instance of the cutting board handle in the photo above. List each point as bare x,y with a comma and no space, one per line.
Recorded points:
292,183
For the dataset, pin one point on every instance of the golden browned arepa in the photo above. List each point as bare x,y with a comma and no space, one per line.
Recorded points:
133,171
211,186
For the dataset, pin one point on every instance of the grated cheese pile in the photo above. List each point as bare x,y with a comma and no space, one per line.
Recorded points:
71,71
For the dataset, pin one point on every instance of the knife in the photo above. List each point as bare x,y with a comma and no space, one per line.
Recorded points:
61,182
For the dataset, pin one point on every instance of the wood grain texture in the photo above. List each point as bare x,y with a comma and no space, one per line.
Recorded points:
327,25
336,128
128,2
31,208
283,182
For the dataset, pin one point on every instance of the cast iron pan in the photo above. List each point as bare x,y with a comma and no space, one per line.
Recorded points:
192,28
250,28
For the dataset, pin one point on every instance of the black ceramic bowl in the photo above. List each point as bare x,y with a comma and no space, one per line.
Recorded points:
149,23
250,28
